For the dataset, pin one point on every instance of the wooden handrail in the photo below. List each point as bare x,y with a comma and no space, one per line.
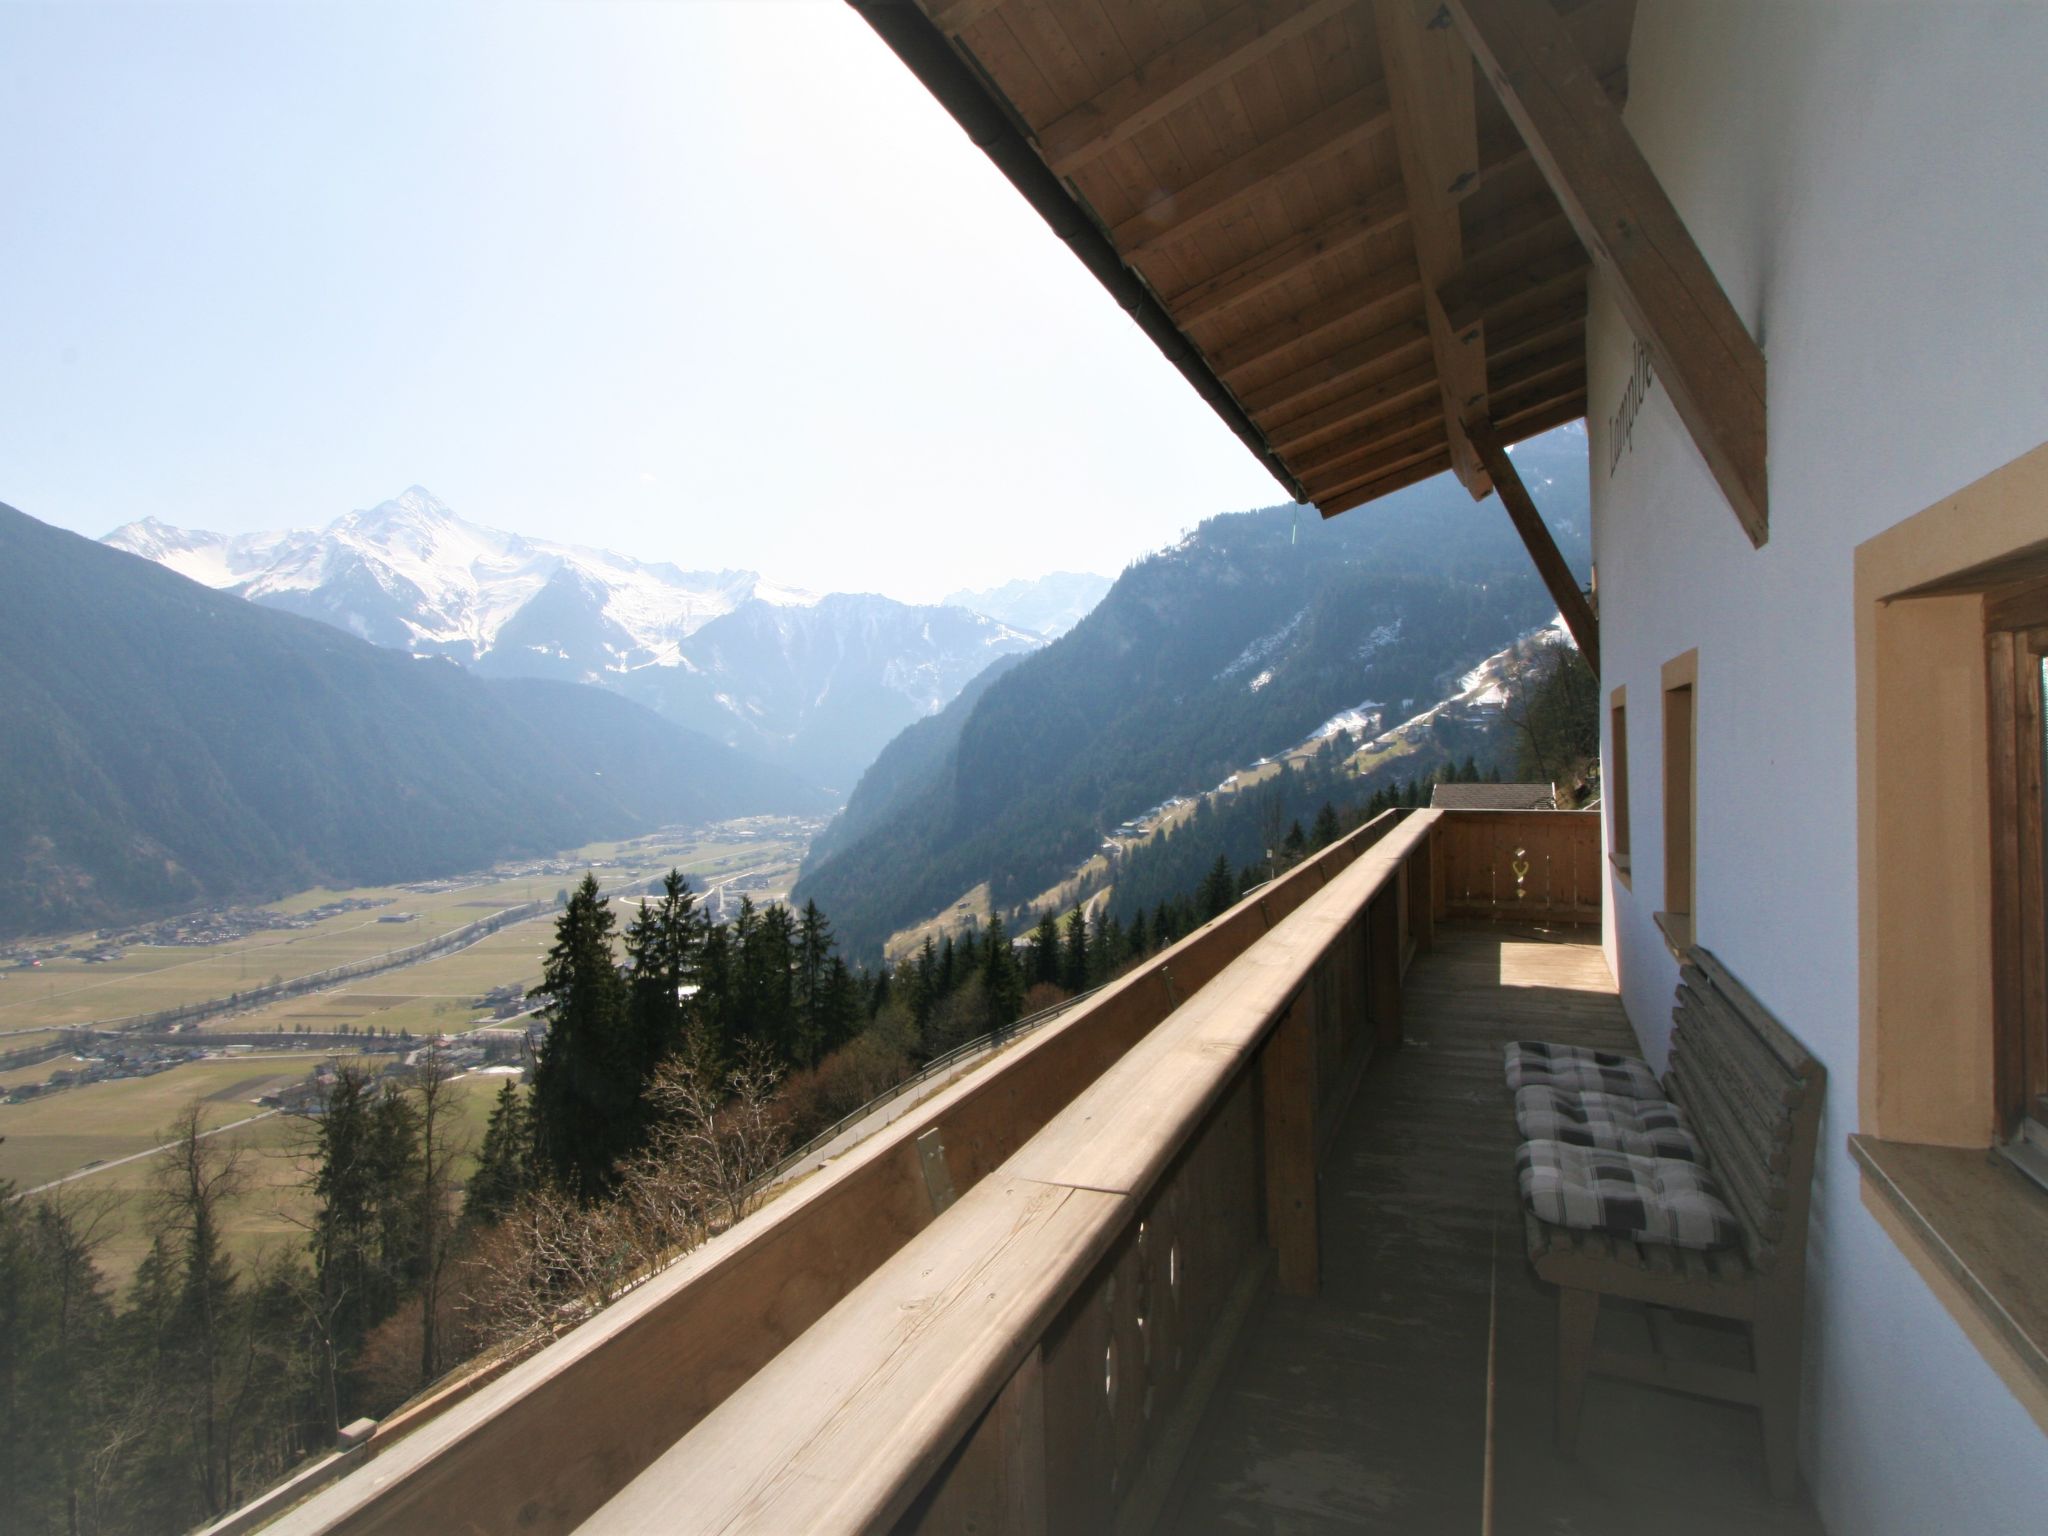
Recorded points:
850,1427
543,1446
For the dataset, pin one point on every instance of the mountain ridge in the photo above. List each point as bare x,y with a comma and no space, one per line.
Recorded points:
174,745
759,665
1234,642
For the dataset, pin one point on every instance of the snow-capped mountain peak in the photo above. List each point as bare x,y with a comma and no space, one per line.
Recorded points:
786,665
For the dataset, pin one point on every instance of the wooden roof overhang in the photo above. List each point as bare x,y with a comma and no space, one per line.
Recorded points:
1362,229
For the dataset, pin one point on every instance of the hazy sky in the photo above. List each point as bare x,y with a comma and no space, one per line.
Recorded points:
712,281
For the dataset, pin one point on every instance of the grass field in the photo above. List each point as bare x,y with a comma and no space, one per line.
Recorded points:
970,910
276,1203
147,978
433,997
48,1137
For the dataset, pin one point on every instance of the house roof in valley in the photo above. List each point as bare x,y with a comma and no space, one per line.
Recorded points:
1493,797
1318,210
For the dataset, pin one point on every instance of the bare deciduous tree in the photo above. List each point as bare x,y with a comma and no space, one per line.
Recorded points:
554,1260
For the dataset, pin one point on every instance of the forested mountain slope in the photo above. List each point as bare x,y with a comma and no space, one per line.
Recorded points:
168,745
907,766
1238,641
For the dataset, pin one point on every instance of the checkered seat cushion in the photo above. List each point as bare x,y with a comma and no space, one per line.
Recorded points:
1606,1122
1539,1064
1644,1199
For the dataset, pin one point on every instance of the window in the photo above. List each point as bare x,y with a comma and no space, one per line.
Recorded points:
2016,668
1681,810
1617,781
1951,612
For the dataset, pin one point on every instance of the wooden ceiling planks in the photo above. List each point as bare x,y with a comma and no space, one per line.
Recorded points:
1277,193
1178,74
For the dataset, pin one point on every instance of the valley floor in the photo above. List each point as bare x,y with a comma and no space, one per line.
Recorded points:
99,1137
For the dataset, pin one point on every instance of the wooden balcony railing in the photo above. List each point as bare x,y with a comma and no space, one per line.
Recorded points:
1115,1191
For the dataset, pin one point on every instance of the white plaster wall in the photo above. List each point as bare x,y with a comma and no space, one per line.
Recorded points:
1870,183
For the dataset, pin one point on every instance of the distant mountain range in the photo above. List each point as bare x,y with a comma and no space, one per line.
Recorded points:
1249,634
169,746
1049,606
815,683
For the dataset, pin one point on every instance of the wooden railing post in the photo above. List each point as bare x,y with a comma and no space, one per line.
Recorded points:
1383,958
1422,898
1288,1088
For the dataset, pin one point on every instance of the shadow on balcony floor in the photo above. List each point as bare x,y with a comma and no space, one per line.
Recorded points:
1365,1408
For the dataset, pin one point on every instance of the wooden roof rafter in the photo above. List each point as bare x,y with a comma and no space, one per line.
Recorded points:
1712,368
1197,63
1177,215
1429,83
1344,243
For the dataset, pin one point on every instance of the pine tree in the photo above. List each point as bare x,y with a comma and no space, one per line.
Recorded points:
665,944
815,1035
504,1163
924,984
1002,976
584,1089
1108,953
197,1180
1138,940
55,1330
769,964
1295,844
712,1034
1219,890
1326,830
1074,953
1042,965
840,1005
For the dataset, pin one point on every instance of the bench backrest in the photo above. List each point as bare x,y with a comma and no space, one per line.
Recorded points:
1753,1093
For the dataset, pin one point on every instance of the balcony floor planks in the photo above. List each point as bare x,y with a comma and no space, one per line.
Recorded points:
1363,1409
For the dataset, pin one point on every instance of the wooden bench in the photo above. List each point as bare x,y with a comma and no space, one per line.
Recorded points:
1753,1096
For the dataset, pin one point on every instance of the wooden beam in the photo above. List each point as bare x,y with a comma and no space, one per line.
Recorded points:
1256,275
1550,565
1384,289
1564,359
1172,78
1317,462
1376,356
1398,480
1429,89
1353,410
1497,278
1520,421
1423,443
1508,345
1698,345
1345,124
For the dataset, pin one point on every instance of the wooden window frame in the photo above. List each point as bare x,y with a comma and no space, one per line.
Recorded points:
1617,783
2016,645
1681,725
